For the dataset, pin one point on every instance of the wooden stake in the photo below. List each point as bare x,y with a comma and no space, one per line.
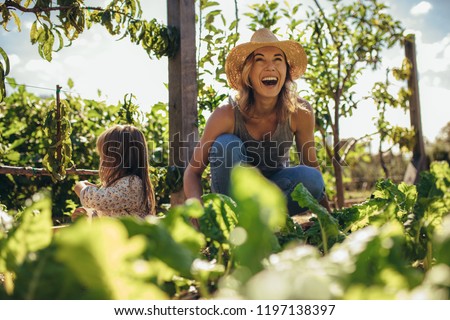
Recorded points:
183,112
418,161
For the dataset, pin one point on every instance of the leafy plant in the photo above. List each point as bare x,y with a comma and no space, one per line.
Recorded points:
165,257
328,226
59,146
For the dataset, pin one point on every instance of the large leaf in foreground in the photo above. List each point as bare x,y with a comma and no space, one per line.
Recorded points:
261,210
329,227
104,258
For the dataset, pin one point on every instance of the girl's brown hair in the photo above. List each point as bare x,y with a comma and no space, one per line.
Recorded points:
123,152
287,98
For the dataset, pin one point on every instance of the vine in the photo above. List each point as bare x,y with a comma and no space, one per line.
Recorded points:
119,17
4,70
58,143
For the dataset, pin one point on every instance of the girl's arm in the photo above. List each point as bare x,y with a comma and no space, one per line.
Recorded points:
80,185
220,122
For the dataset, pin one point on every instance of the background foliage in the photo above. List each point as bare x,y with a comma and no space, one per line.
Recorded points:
393,246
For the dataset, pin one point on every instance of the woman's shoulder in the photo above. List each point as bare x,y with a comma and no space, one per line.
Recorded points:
226,110
304,110
303,105
222,117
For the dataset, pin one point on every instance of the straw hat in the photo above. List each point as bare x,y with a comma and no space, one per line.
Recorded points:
295,55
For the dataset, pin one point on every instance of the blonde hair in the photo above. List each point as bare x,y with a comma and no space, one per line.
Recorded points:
123,152
287,98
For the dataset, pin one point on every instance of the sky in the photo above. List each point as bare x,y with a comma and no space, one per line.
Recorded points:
98,61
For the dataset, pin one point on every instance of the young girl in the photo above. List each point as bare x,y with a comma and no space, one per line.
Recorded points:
124,174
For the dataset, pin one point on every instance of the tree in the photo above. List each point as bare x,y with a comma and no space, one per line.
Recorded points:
383,99
344,42
52,32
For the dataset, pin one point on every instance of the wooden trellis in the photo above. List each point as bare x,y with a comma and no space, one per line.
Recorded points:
30,171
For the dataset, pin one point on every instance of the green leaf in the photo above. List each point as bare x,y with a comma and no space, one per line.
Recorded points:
376,257
441,241
161,245
70,83
219,218
61,40
13,157
16,19
261,210
328,225
6,66
34,32
176,222
106,260
32,234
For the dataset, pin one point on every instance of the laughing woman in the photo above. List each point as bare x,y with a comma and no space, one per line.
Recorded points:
259,125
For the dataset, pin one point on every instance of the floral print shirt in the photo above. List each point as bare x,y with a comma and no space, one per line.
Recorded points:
124,197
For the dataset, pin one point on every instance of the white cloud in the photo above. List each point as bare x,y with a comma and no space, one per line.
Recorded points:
36,65
97,37
81,42
416,32
74,61
434,109
447,53
421,8
14,60
437,81
27,25
35,71
433,56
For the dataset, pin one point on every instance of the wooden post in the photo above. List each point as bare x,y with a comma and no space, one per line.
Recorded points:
183,113
418,161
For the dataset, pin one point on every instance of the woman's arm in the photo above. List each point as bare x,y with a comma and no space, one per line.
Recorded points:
303,123
220,122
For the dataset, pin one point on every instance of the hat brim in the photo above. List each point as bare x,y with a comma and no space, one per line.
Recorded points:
295,56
